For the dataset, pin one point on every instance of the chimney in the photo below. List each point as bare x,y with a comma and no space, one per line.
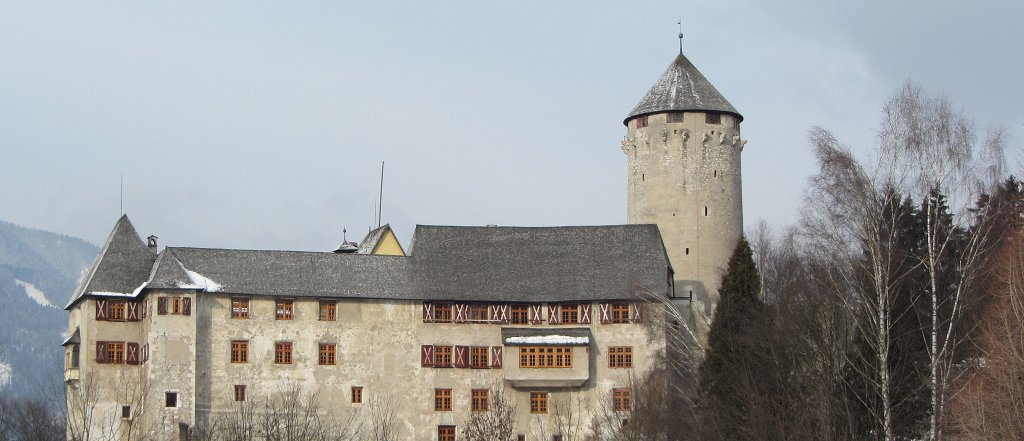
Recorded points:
152,241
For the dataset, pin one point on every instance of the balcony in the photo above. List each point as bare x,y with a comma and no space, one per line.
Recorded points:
547,357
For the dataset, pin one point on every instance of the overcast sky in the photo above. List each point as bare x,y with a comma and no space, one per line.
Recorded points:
264,124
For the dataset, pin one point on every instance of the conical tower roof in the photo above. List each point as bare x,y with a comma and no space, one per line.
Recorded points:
121,267
681,88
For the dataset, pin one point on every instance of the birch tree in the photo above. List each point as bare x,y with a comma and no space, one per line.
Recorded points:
934,153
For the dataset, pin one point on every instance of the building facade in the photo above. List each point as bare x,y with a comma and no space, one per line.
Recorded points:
555,319
561,320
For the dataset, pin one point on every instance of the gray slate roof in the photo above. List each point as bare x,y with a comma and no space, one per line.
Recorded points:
123,264
372,239
531,263
682,87
504,264
287,273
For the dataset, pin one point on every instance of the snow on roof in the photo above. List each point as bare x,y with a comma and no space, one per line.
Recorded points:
201,282
547,340
119,294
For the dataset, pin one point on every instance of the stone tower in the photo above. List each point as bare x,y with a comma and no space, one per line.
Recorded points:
683,152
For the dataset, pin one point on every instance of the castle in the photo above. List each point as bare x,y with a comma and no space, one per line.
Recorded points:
165,343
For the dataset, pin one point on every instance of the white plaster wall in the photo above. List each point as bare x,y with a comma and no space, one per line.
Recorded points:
675,170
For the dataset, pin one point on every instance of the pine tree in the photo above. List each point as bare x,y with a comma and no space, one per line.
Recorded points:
732,375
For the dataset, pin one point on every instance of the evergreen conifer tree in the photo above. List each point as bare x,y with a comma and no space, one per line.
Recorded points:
732,375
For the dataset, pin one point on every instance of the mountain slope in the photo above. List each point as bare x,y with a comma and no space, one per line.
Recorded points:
38,274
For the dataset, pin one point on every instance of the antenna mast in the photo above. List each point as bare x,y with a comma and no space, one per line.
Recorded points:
380,196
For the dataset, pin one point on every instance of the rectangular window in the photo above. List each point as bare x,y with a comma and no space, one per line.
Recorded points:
75,354
239,392
175,305
620,312
478,312
126,412
240,351
538,402
442,312
357,394
327,354
283,352
641,122
285,309
170,399
478,357
479,400
117,310
622,399
115,352
674,117
520,314
442,400
545,356
328,310
442,356
570,313
239,308
713,118
620,357
445,433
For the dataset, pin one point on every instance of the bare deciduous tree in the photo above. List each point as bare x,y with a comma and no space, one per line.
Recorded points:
989,402
497,423
936,150
290,415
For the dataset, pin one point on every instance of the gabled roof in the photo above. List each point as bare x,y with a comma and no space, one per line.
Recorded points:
537,263
501,264
375,238
122,266
283,273
682,88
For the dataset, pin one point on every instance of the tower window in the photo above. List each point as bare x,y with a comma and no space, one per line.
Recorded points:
687,251
713,118
239,392
641,122
170,399
714,174
676,117
705,210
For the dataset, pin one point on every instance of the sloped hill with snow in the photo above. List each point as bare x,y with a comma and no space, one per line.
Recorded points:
38,274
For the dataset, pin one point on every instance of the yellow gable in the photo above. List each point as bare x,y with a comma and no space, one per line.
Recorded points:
388,245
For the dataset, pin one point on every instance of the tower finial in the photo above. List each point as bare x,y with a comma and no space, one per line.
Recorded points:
680,23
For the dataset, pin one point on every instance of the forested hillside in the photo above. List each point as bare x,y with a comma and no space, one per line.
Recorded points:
38,273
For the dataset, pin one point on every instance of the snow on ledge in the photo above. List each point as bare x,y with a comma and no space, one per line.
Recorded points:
548,340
